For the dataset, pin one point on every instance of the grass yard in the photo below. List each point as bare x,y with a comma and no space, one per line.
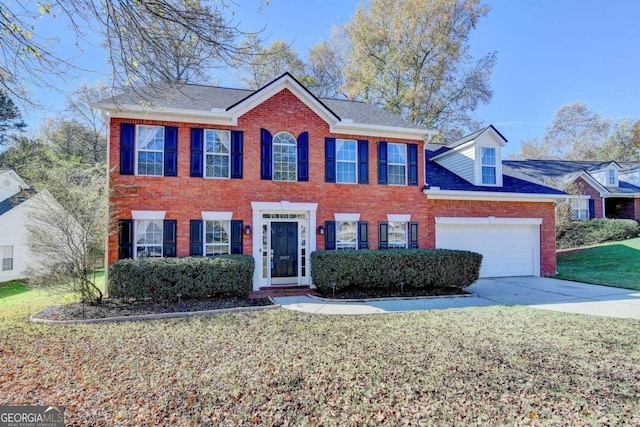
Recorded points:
481,366
613,264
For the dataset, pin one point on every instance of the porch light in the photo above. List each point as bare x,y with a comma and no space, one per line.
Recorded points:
320,229
247,229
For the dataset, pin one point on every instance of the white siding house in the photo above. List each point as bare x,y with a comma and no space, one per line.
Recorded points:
16,198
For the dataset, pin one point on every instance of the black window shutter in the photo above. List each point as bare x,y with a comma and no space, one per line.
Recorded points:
383,235
592,208
413,235
413,163
363,161
125,238
303,157
197,138
169,238
170,151
196,233
236,236
329,235
236,154
363,235
330,160
127,148
382,163
265,154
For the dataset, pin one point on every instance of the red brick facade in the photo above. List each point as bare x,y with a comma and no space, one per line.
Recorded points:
580,186
184,197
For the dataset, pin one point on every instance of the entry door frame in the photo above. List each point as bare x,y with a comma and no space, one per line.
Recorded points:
282,207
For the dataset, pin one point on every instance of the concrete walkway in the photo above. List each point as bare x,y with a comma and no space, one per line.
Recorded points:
537,292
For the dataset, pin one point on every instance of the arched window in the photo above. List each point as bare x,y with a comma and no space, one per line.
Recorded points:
285,157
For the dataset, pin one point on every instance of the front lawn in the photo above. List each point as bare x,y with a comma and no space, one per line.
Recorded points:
613,264
480,366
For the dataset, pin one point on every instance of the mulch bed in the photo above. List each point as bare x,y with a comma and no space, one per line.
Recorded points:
117,308
395,293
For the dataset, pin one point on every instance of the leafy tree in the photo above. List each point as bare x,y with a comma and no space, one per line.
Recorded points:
30,158
623,144
324,67
534,148
171,40
267,63
78,109
66,234
576,132
10,117
71,140
412,57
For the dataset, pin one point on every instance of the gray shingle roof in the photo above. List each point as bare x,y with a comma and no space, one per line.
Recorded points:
17,199
439,176
540,170
206,98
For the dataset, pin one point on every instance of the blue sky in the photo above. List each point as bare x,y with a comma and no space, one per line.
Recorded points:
550,53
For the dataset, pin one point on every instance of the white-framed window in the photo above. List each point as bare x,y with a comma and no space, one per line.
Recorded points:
148,237
579,209
398,234
217,153
611,177
217,237
488,165
346,161
6,257
397,164
285,157
346,234
149,150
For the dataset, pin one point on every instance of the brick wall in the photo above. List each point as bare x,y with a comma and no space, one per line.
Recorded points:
580,186
484,209
184,198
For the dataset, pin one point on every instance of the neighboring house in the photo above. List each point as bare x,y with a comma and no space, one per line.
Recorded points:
278,173
613,188
16,198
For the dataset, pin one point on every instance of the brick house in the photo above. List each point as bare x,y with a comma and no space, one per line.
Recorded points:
278,173
612,188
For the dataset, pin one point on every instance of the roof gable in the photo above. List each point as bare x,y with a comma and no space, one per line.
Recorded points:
16,200
285,81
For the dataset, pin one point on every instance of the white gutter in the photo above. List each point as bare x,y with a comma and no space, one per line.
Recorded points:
437,194
131,111
349,127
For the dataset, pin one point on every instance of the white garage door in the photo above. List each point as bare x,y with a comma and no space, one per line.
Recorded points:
508,249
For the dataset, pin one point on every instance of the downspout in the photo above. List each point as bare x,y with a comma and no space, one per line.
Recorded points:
107,119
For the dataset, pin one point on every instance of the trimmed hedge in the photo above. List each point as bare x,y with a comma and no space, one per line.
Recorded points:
193,277
574,234
380,269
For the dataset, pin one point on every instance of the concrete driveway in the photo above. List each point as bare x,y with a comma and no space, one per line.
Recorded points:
536,292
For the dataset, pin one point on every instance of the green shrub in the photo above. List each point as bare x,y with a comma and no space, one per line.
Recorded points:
371,269
574,234
193,277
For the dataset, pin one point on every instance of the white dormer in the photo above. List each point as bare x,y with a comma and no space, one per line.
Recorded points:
607,175
477,157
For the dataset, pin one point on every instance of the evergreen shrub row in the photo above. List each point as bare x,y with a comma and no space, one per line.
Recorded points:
159,279
384,269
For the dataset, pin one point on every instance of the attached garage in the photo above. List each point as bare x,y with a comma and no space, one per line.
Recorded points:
510,246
